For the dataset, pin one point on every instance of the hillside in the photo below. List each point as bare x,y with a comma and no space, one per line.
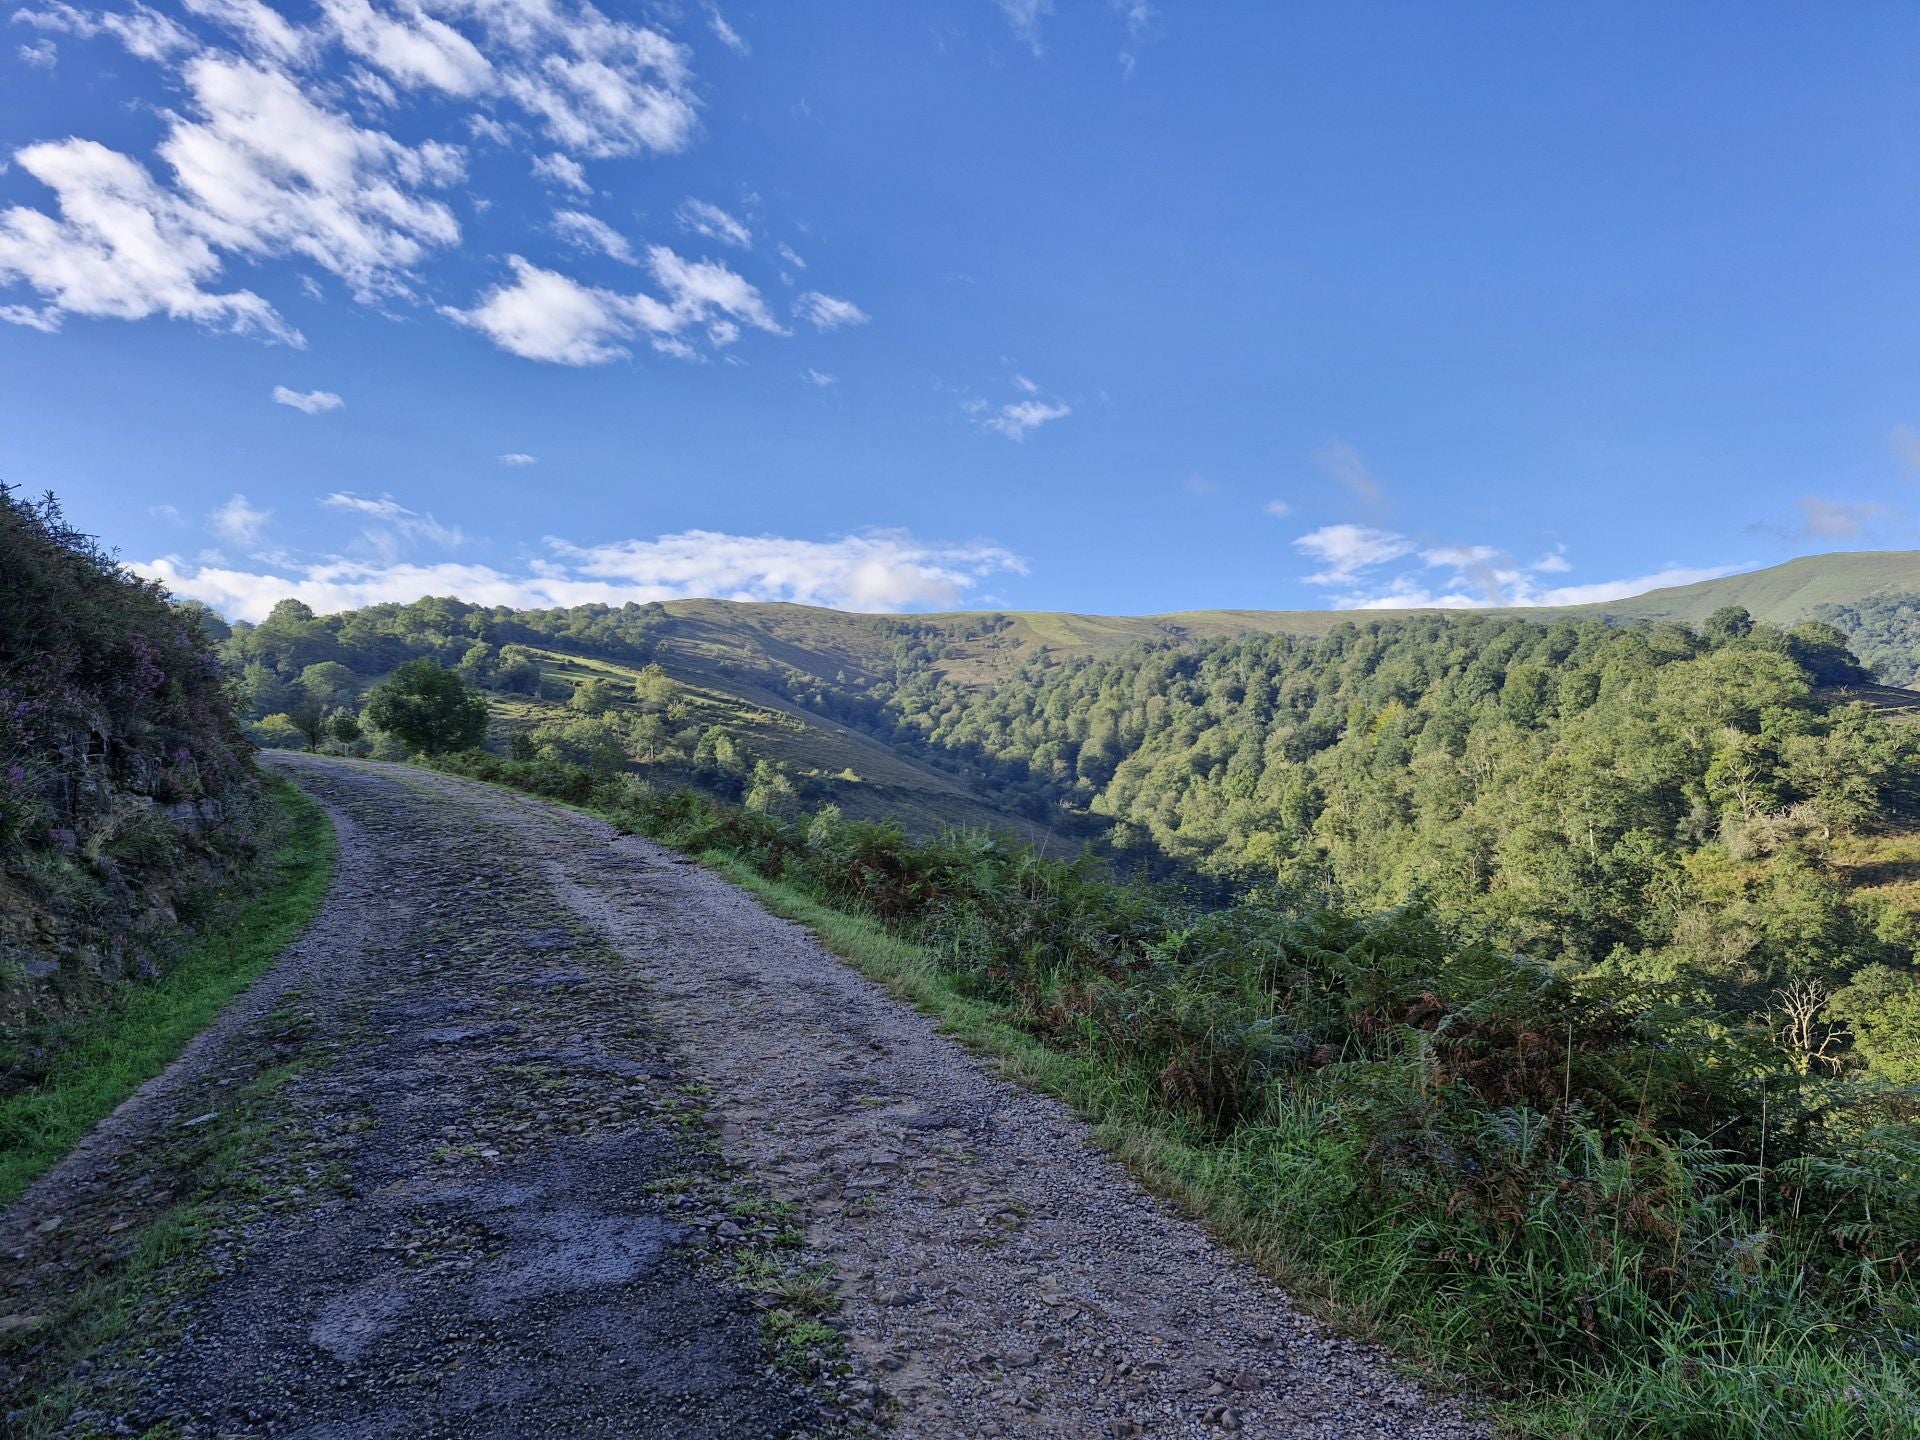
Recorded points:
1781,594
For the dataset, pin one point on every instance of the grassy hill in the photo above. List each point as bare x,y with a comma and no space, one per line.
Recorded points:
979,647
1781,594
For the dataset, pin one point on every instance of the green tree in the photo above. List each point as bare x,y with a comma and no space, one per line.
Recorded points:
592,697
428,707
330,685
344,727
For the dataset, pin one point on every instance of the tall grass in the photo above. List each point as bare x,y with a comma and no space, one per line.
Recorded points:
1621,1214
108,1052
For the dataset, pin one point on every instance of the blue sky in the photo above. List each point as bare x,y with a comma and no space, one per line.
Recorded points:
1097,305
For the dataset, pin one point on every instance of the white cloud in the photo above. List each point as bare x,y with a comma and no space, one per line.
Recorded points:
825,312
1483,576
1016,420
310,402
519,459
41,54
697,287
786,253
729,36
412,48
821,378
1346,550
391,524
543,315
122,248
1025,16
562,170
169,513
269,172
1278,509
883,570
714,223
592,233
240,521
260,27
1604,590
145,33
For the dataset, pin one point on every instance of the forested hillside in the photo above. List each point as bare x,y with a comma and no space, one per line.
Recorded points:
1654,800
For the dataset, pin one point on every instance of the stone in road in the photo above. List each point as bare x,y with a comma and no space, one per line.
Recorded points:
507,1226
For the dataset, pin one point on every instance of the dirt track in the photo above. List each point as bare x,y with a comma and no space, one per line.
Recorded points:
461,1145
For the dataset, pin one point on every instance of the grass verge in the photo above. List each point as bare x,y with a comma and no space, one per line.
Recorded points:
120,1048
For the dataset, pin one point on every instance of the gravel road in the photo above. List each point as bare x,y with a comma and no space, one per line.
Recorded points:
535,1119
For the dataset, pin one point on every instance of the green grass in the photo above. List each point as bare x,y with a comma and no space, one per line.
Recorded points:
116,1050
1768,1384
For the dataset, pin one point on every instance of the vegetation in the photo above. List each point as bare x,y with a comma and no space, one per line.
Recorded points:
126,788
1884,631
102,1055
425,707
1630,1210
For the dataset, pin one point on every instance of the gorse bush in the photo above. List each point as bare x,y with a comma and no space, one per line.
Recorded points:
1606,1197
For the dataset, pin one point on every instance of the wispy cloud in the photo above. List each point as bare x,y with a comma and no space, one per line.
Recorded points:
391,526
1278,509
1343,463
590,232
821,378
1019,419
714,223
827,312
1025,17
519,459
1461,577
308,402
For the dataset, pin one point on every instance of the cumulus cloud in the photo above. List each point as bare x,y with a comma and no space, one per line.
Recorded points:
41,54
310,402
541,314
544,315
826,312
240,521
880,570
714,223
518,459
121,247
262,157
